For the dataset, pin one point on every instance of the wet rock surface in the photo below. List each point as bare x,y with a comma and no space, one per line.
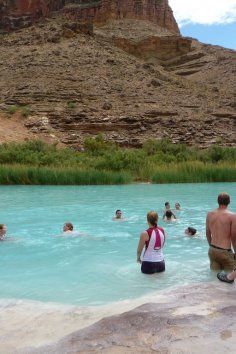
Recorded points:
192,319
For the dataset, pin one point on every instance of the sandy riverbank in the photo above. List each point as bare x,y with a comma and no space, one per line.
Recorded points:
190,319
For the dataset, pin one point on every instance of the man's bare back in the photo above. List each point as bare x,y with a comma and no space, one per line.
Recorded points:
218,228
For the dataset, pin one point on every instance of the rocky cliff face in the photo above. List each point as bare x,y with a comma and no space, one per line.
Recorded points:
20,13
157,11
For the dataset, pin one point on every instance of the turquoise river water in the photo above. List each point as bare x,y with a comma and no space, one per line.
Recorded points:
99,267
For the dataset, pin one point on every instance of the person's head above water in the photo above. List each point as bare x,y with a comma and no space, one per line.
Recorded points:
177,206
68,227
223,199
3,230
191,231
152,218
167,205
118,214
168,214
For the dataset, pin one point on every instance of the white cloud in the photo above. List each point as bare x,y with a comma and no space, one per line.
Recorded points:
204,11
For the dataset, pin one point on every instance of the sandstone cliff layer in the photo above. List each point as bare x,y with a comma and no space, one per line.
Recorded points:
21,13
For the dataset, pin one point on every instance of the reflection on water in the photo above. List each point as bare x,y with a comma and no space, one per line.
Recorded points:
99,266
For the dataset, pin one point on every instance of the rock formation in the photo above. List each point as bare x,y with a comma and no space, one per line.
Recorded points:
130,80
194,319
20,13
157,11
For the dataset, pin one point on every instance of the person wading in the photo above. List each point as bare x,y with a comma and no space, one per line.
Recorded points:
153,239
220,235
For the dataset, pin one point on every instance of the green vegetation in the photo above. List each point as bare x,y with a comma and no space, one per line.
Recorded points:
71,104
101,162
12,109
24,110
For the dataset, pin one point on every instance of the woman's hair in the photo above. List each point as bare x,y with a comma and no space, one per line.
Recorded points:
152,218
69,225
169,214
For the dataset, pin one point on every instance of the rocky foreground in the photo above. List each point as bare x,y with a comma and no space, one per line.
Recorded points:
193,319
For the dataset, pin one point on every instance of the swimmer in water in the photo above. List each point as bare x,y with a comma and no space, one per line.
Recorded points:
119,215
68,228
169,216
3,231
190,231
177,206
167,208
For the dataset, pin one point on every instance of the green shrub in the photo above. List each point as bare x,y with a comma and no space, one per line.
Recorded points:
25,111
12,109
71,104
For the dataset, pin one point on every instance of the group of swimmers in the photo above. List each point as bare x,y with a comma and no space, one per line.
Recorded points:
220,234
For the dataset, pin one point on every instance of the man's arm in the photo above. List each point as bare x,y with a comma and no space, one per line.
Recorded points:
142,240
208,231
233,233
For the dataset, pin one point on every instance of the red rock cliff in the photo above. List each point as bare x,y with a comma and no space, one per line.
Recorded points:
157,11
17,13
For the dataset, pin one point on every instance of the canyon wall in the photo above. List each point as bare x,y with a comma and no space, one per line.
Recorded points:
20,13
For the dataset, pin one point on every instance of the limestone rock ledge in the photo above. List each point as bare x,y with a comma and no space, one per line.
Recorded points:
193,319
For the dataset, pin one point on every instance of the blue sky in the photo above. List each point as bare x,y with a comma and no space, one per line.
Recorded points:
223,35
210,21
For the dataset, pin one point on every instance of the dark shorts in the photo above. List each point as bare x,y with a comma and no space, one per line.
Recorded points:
152,267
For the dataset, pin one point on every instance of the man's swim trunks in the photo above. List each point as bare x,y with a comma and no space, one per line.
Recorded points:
221,259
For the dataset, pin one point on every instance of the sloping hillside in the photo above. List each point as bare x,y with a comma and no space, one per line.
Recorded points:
129,80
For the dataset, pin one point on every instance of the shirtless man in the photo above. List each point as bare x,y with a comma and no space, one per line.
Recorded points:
220,234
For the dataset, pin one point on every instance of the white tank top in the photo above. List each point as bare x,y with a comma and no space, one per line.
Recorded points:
151,254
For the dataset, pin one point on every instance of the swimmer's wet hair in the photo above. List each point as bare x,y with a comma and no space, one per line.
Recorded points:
118,211
169,214
166,203
223,199
2,226
152,218
192,230
69,225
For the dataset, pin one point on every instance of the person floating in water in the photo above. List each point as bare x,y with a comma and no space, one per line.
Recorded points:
220,233
227,278
190,231
68,228
118,215
3,231
153,239
169,216
177,206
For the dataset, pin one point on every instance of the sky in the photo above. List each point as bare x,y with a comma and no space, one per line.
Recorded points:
210,21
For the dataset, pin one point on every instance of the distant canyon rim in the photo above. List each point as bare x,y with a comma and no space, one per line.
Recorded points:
118,68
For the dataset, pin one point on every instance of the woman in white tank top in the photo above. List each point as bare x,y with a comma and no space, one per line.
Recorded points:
153,239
